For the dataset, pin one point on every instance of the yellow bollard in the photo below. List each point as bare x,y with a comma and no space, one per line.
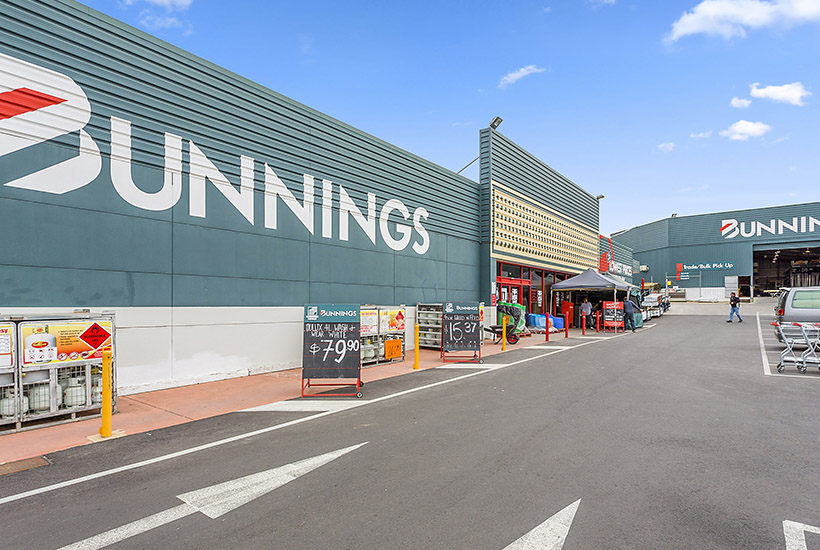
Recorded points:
503,333
416,350
107,398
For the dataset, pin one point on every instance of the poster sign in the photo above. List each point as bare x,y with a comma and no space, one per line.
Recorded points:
64,341
7,345
392,320
461,326
331,345
392,348
613,315
369,322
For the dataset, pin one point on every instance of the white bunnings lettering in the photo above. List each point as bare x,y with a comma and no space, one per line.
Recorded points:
348,208
202,169
171,190
731,228
62,108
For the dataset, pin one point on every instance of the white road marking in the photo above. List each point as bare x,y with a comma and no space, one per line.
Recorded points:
548,346
551,534
795,534
304,405
467,367
239,437
132,529
214,501
766,370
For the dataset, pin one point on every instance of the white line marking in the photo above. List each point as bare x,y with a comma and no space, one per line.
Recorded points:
307,406
766,369
551,534
596,337
132,529
547,346
466,367
795,534
184,452
214,501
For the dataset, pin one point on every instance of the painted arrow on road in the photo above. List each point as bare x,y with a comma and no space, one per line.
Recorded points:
551,534
795,534
214,501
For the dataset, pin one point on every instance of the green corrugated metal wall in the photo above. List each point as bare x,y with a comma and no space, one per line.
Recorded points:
699,239
89,247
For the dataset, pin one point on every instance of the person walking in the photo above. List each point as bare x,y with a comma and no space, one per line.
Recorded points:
630,308
734,303
586,313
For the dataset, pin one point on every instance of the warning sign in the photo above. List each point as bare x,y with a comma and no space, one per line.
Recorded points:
64,340
95,336
392,348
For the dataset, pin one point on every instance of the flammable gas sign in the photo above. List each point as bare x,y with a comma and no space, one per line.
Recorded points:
64,341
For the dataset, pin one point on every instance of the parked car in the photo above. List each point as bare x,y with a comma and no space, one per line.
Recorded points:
654,303
797,305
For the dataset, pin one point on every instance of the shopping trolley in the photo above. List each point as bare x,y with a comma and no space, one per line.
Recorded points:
798,334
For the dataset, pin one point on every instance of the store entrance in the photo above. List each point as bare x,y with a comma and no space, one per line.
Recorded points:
785,267
511,293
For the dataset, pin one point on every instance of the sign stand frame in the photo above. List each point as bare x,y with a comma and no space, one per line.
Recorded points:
308,381
452,358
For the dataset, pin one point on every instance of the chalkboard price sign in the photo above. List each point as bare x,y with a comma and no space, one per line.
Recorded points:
331,345
461,327
613,315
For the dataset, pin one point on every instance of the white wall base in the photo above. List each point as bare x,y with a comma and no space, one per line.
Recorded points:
158,348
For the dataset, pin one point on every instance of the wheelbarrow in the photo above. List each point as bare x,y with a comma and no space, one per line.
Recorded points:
496,330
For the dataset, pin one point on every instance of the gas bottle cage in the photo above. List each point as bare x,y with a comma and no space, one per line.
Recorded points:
799,334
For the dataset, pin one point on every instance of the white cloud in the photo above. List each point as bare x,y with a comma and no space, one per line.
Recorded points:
170,5
155,23
515,76
731,18
462,123
788,93
742,130
667,147
701,135
738,103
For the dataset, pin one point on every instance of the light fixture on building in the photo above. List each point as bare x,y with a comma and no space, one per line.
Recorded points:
599,197
496,122
674,216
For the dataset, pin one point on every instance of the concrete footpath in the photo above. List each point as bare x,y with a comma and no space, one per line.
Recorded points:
153,410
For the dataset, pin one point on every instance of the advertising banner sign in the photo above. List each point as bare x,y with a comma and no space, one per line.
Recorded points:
392,320
7,346
64,341
369,322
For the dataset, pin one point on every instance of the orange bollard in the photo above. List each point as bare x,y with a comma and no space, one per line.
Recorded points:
107,398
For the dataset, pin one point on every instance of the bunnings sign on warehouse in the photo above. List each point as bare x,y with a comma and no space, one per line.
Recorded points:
38,105
731,228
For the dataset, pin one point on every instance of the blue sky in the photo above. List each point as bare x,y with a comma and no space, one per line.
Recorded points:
673,106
